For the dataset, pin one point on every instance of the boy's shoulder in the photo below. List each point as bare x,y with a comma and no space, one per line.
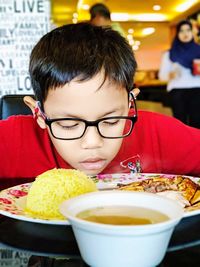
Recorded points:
19,123
161,122
18,120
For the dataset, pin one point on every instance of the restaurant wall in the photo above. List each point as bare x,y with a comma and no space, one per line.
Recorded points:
148,55
148,59
22,23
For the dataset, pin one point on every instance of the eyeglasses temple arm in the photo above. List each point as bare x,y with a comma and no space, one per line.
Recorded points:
38,109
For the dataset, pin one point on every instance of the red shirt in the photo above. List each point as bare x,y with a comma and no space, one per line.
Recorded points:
164,144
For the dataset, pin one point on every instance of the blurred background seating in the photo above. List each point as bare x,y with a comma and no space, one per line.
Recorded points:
13,105
154,107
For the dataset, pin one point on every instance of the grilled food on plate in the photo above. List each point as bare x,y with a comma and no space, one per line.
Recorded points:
179,188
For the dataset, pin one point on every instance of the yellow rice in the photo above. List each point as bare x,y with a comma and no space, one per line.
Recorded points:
53,187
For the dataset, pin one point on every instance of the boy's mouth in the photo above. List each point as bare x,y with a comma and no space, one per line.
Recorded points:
93,164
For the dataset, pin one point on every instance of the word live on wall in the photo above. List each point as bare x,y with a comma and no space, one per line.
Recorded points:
22,24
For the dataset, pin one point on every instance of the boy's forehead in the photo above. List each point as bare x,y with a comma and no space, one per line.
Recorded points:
78,97
98,81
80,87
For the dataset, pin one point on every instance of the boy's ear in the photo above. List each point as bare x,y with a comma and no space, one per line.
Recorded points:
31,103
135,93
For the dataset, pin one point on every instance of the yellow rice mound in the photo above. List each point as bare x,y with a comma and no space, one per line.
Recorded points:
53,187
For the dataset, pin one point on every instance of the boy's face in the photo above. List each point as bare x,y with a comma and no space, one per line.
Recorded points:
87,100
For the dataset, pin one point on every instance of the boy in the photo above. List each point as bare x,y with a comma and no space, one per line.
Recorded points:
85,115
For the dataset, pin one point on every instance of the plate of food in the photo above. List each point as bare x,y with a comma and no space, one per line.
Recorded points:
15,201
183,189
39,201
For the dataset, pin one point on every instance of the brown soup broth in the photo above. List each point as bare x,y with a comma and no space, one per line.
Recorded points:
123,215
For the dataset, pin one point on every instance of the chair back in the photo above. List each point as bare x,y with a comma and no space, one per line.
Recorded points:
13,105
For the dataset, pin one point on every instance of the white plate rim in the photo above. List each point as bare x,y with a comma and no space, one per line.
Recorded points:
101,186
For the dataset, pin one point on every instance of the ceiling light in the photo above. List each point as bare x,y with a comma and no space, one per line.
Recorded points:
130,31
85,7
81,5
137,42
119,16
148,31
129,37
74,20
156,7
186,5
139,17
148,17
61,9
75,15
131,42
135,47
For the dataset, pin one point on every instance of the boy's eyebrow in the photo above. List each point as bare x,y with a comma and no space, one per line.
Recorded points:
110,112
68,115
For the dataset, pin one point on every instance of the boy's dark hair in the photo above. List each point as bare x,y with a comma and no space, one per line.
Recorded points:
80,51
99,9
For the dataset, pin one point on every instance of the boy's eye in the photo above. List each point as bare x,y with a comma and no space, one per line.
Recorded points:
111,122
67,124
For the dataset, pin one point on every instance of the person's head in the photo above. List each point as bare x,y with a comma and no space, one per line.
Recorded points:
100,15
184,49
80,71
184,31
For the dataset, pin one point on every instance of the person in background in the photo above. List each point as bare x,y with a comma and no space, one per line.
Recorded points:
85,115
177,68
100,16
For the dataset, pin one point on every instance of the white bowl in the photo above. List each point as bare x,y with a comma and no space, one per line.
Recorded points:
104,245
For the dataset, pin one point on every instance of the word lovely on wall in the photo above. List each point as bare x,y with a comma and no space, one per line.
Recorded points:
22,24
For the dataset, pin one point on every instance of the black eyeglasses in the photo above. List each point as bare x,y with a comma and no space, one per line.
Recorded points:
109,127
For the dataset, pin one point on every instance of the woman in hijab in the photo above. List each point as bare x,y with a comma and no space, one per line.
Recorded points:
177,69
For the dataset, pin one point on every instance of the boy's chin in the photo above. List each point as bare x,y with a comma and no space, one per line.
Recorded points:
92,172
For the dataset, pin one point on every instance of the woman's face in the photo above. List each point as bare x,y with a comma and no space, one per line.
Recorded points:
185,34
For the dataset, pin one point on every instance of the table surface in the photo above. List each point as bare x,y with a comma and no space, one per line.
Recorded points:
45,243
34,244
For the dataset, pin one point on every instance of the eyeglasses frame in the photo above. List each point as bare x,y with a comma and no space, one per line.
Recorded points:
95,123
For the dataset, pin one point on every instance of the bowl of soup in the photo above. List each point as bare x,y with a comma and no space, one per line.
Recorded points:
121,228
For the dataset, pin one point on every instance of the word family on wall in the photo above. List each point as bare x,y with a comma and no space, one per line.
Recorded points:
22,24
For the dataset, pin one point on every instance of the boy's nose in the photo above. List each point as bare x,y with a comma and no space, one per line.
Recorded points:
91,138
